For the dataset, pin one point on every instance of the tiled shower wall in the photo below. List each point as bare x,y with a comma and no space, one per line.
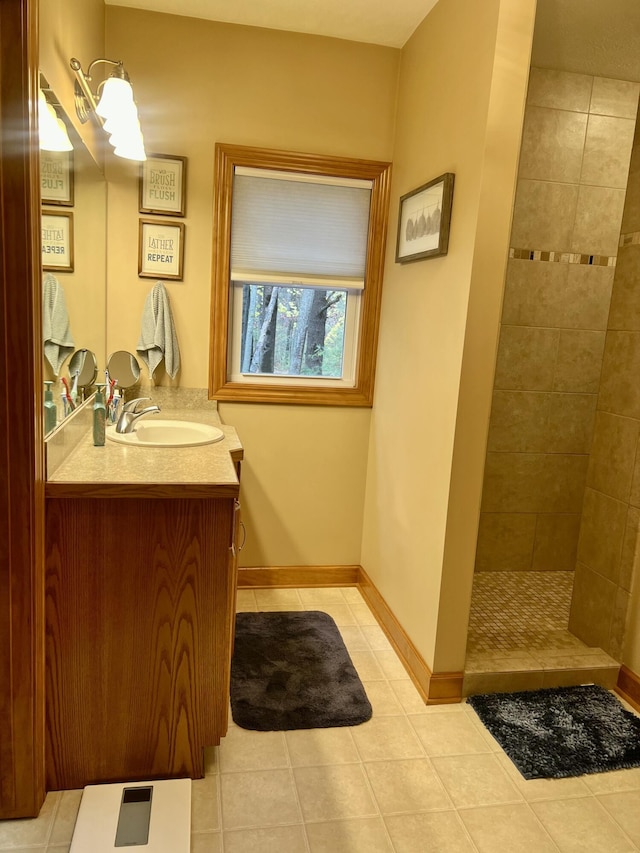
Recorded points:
611,516
574,162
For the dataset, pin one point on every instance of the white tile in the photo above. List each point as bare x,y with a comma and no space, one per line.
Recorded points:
205,805
309,747
437,832
514,828
32,831
448,734
363,615
314,596
352,595
276,839
384,701
582,826
475,780
335,792
390,664
245,600
349,836
258,798
354,639
367,666
65,819
243,749
265,598
385,738
376,637
206,842
407,786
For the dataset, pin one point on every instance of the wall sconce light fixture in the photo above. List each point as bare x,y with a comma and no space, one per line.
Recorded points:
113,107
51,129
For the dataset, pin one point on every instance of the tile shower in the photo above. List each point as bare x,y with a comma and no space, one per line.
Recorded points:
560,498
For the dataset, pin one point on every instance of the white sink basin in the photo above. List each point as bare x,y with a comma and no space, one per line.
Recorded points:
155,433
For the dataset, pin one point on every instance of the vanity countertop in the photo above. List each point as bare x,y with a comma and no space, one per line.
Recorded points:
117,470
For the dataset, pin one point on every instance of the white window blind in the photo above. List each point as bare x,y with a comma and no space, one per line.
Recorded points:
299,231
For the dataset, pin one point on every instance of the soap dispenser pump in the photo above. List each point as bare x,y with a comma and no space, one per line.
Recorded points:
50,409
99,418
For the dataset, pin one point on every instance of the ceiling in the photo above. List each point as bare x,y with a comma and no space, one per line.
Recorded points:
596,37
585,36
386,22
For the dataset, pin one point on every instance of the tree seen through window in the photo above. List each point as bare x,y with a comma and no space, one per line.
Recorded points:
292,331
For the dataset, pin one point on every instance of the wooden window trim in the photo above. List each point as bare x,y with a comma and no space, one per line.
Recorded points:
227,157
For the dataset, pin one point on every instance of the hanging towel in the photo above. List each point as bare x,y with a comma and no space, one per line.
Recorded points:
58,340
157,334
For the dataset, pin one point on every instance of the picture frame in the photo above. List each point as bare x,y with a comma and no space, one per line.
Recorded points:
56,177
57,240
162,185
424,220
161,249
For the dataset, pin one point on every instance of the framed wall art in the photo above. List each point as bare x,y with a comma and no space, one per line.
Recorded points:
57,240
424,219
161,249
56,177
163,182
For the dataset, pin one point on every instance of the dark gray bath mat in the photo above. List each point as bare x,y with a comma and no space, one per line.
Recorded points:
562,731
291,670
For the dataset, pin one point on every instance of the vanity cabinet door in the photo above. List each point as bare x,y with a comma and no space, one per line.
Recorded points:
138,615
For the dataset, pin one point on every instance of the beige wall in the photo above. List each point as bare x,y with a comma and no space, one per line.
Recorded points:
72,28
440,318
198,82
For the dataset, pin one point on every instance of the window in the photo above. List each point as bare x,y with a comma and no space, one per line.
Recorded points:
299,251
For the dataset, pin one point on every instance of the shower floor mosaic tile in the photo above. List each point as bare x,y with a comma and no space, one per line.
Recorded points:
519,639
514,610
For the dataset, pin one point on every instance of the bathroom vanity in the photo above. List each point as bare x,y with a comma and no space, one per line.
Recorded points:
141,563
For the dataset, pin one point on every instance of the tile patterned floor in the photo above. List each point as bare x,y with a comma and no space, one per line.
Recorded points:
411,780
512,610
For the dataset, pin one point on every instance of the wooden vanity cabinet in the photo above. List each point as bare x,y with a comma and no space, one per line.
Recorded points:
140,616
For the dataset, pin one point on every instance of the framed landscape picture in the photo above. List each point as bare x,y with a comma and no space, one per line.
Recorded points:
163,185
424,219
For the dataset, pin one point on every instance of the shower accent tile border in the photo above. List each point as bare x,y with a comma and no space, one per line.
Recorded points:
563,257
631,239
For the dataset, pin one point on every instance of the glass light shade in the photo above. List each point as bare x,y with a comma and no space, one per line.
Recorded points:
124,120
131,150
117,95
51,129
129,143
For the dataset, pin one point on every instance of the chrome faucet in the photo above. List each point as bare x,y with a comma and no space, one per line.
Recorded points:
130,415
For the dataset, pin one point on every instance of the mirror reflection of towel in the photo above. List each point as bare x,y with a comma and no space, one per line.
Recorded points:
157,333
57,337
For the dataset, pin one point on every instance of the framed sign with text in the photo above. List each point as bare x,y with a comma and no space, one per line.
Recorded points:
161,249
163,185
56,177
57,241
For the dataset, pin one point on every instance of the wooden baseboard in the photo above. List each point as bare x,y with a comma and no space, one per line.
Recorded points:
629,686
288,576
435,688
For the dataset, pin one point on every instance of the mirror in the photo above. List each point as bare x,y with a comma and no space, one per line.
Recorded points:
125,368
73,207
83,363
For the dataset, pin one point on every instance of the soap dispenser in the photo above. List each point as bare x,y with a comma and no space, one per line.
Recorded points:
99,418
50,409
